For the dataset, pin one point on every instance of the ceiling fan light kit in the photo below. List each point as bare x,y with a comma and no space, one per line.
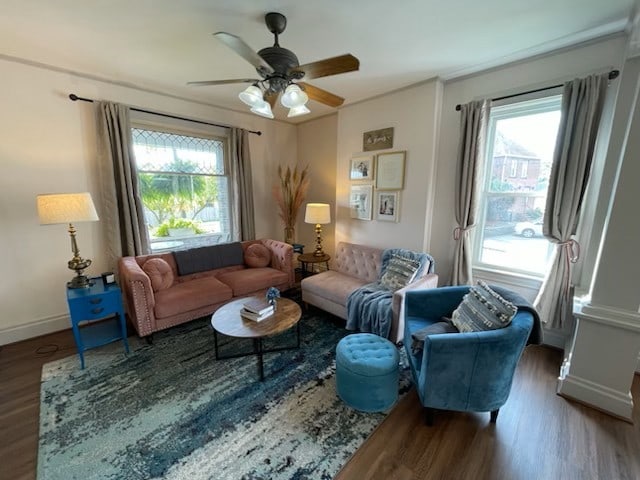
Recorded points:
279,69
252,96
263,109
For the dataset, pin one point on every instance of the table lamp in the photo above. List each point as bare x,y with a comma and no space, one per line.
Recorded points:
57,208
320,214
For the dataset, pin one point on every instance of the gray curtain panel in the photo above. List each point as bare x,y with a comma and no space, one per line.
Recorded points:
123,215
244,221
473,120
582,103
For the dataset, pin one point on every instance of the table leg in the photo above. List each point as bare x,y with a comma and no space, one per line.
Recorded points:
257,343
298,334
215,343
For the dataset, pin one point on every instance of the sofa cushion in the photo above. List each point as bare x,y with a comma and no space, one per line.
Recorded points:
159,273
250,280
208,258
483,309
333,286
186,296
257,255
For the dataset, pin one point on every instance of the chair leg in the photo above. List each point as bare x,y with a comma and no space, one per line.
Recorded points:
494,415
149,339
428,416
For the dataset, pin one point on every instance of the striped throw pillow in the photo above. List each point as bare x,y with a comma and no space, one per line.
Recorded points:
399,273
483,309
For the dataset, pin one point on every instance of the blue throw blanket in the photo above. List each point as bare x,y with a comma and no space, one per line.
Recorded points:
369,307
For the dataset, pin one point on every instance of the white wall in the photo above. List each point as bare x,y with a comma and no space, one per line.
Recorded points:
412,114
48,145
317,147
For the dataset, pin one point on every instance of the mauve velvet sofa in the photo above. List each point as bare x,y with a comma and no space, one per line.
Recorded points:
354,266
171,298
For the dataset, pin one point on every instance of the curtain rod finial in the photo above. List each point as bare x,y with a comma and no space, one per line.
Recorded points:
458,108
73,96
614,74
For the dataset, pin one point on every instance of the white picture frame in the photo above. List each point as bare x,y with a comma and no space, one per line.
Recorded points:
360,201
390,170
388,206
362,167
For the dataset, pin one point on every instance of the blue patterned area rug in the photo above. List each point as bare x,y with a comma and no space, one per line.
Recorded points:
170,410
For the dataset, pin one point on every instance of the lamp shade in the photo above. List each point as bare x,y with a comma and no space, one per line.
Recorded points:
263,109
66,208
252,96
297,111
317,213
293,97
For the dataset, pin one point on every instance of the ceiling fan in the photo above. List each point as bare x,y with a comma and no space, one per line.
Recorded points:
280,72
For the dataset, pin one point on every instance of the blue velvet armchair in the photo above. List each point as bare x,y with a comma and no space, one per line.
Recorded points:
461,371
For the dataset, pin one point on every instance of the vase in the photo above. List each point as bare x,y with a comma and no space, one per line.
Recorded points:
289,234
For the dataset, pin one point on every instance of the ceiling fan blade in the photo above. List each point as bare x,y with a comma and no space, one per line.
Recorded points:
272,98
329,66
320,95
241,48
223,82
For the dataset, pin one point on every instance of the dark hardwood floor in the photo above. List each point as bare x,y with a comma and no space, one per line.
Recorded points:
538,435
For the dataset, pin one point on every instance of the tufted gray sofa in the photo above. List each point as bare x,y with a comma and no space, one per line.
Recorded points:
354,266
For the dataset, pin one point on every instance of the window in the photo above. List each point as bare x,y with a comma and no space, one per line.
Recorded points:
509,233
184,188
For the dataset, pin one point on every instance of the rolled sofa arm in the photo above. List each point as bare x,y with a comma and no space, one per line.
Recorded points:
282,258
397,328
138,296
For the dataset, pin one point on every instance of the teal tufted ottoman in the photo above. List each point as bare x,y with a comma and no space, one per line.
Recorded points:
367,372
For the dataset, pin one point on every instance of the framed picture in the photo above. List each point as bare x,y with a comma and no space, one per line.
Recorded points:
387,206
377,139
360,201
390,171
361,168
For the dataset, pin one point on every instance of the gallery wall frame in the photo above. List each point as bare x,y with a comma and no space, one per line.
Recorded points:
387,206
362,168
390,170
377,139
360,201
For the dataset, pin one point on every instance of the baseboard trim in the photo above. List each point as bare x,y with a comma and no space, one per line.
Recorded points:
603,398
554,338
33,329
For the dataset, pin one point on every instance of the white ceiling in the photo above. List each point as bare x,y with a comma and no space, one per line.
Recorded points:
160,45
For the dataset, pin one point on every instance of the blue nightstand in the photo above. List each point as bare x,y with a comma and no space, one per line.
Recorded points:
97,316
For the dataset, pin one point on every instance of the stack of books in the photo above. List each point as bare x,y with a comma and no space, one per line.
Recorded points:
256,309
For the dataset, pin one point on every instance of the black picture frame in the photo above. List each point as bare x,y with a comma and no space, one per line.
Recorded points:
108,278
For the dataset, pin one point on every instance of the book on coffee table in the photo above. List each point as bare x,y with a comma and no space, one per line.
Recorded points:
257,306
257,317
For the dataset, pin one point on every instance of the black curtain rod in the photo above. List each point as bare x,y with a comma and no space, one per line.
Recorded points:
612,74
75,97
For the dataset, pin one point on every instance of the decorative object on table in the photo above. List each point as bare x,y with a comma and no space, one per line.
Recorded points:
108,278
257,309
272,295
390,171
360,201
377,139
69,208
320,214
290,195
388,206
361,167
152,416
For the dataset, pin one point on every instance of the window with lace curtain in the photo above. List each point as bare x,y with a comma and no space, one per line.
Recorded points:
184,186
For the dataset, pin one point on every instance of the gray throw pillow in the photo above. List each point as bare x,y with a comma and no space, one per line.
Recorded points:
418,337
400,272
483,309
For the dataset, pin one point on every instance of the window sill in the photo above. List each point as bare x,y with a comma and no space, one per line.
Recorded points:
521,280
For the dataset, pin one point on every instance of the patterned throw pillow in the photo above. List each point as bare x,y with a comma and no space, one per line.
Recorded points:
483,309
399,273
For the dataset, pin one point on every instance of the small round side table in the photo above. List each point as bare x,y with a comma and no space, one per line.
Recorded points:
307,259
